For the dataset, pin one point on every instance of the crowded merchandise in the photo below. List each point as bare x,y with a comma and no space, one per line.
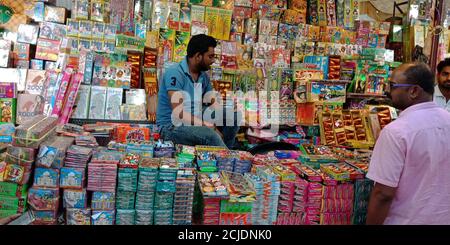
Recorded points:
79,83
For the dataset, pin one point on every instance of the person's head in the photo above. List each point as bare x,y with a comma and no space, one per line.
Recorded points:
411,84
200,51
443,75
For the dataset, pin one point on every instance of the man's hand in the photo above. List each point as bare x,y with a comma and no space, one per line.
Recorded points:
380,203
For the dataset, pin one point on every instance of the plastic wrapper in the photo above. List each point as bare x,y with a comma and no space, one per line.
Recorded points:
75,216
103,217
75,198
127,179
72,178
12,189
125,216
145,200
55,14
103,200
46,177
33,132
53,151
44,217
27,33
43,198
18,174
125,200
102,177
163,201
163,217
21,153
144,217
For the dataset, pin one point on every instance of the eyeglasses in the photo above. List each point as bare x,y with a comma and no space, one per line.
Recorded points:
400,85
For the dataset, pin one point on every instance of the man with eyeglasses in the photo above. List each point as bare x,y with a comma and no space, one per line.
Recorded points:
410,164
442,90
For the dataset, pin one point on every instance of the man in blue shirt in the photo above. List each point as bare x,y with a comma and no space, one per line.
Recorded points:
182,92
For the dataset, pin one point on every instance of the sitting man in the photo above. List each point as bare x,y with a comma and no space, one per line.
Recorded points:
182,92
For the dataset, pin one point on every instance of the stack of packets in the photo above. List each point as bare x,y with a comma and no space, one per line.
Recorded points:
18,164
103,212
53,152
213,190
184,197
257,207
102,171
6,132
12,198
237,209
145,196
185,156
126,133
165,191
127,179
234,161
272,190
34,131
78,216
45,196
206,157
164,149
142,148
363,188
86,140
314,156
263,160
312,196
78,156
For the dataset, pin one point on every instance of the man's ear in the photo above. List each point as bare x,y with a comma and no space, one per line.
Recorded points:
415,92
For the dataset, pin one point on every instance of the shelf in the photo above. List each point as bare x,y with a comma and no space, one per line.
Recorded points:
82,122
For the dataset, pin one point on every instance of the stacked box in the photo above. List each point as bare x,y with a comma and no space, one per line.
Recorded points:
337,204
258,204
125,216
272,191
103,200
184,197
13,198
34,131
363,188
103,217
165,190
53,151
146,190
75,198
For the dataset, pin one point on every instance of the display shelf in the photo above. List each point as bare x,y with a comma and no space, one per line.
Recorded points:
82,122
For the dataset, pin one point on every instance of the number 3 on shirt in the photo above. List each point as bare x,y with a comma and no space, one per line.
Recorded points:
174,81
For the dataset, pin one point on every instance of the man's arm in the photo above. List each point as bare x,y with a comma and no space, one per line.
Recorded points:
380,203
187,118
385,169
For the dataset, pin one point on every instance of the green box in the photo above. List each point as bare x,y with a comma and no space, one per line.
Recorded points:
13,189
8,108
7,213
17,204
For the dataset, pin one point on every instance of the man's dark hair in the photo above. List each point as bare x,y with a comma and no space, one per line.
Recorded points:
200,44
443,64
420,74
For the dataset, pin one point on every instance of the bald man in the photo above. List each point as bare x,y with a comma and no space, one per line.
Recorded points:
410,164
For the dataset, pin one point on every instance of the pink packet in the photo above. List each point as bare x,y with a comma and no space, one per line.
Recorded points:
61,93
70,101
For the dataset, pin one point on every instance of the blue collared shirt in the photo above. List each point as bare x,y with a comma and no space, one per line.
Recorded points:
440,99
178,78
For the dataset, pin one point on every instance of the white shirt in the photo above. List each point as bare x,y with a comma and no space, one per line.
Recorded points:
440,100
